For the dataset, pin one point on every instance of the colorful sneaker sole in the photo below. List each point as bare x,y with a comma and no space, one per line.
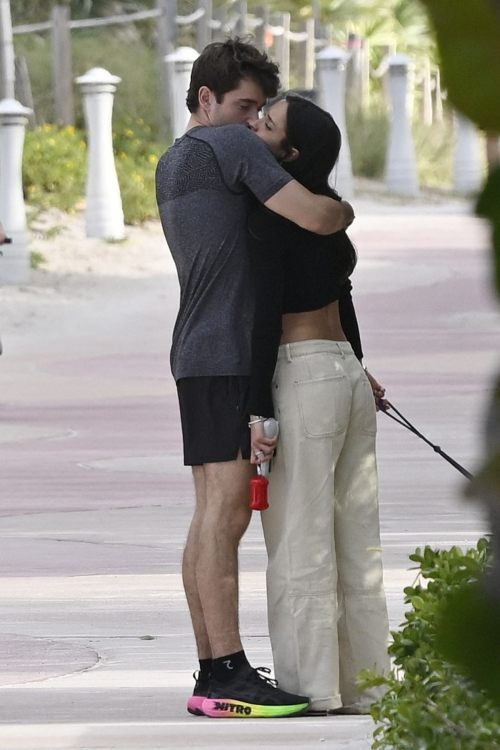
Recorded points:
226,708
195,705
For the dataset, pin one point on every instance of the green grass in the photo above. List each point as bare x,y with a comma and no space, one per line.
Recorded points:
136,63
37,259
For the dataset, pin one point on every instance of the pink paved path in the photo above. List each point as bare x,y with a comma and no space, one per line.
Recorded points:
95,501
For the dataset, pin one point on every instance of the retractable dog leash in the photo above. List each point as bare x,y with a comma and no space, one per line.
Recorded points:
403,421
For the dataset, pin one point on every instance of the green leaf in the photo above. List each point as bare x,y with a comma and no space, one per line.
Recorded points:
468,35
468,632
418,602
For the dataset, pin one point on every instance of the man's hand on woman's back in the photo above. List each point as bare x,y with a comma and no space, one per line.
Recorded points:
348,213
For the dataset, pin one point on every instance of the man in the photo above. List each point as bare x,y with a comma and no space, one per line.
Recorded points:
205,184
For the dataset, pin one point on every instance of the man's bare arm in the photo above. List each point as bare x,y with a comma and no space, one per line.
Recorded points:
317,213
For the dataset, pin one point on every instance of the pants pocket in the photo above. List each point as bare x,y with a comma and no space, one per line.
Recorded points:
325,405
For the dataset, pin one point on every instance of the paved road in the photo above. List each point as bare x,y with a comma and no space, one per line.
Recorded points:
95,501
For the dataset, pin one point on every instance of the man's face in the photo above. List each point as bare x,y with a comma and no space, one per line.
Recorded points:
238,107
272,128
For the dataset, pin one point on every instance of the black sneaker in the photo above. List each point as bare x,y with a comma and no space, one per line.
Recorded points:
251,695
200,692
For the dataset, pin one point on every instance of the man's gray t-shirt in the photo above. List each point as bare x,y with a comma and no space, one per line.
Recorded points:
204,187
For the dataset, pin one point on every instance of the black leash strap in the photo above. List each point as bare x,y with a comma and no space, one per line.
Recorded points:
403,421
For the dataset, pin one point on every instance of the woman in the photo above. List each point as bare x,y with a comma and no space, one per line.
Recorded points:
326,602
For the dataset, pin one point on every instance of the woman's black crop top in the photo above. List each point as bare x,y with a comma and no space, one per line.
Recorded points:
294,271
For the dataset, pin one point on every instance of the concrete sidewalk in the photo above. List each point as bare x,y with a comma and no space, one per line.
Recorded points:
95,501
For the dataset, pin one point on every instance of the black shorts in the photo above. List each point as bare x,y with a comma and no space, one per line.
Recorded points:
214,418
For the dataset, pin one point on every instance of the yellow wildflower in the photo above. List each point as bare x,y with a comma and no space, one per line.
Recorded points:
69,129
136,142
82,145
140,121
147,128
52,141
137,177
153,158
122,155
69,165
129,133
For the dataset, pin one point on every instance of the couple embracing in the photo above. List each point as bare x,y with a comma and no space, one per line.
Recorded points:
266,327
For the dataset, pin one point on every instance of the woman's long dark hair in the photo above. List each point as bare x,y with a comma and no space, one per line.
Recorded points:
316,136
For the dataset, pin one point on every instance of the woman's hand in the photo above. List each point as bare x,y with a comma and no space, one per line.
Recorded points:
262,447
378,391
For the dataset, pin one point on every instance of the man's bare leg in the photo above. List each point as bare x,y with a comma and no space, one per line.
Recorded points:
189,561
226,519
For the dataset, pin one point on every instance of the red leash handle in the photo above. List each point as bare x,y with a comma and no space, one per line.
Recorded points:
260,483
258,490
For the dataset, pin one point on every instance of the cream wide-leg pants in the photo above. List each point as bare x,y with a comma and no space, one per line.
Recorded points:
326,601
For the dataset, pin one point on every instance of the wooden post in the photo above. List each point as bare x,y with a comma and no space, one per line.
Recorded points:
305,56
438,98
365,74
389,51
282,49
7,68
260,31
62,65
353,73
309,54
220,14
204,35
427,93
23,89
285,71
166,44
277,55
317,18
240,7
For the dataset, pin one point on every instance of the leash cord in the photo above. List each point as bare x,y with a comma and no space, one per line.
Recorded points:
406,423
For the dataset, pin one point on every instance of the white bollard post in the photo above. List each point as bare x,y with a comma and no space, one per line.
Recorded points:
468,165
331,66
104,213
15,263
180,64
401,162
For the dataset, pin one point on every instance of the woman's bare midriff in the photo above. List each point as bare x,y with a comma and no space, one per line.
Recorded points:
318,324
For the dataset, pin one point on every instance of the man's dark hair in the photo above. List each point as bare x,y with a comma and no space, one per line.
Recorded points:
222,65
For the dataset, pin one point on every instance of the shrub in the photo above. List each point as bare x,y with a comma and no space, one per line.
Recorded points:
55,168
434,146
369,136
137,156
368,133
429,704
